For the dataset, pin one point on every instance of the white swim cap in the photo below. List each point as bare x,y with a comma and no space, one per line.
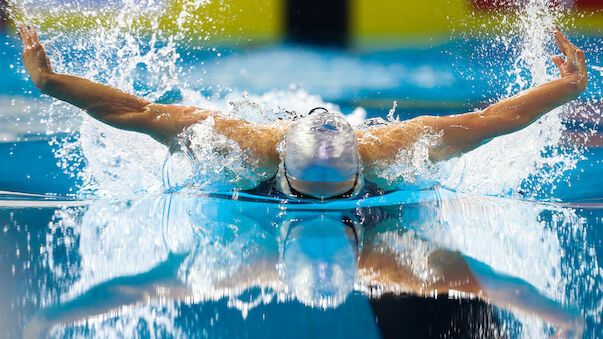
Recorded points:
320,155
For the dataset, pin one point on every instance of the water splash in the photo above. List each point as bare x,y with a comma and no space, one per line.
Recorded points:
391,117
137,55
127,57
130,50
409,168
230,167
500,167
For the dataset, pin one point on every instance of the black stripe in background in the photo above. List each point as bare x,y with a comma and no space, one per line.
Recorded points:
323,22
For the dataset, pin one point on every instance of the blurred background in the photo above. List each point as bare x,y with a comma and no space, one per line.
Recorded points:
355,23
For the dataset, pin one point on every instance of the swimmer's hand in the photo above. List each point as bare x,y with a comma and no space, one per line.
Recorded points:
35,60
574,67
461,133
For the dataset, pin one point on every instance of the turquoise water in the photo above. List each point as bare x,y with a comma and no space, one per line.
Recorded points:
90,245
183,265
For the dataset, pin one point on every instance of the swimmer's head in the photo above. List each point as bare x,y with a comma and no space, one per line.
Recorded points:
320,155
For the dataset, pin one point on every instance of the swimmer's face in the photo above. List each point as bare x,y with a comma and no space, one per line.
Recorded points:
321,157
322,189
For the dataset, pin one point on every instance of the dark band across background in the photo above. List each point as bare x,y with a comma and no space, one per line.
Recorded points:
317,21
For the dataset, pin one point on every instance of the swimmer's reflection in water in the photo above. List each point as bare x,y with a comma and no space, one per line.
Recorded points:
321,156
214,248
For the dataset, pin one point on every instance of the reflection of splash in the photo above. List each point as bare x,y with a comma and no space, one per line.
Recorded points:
410,252
484,228
108,248
223,241
132,237
157,319
518,238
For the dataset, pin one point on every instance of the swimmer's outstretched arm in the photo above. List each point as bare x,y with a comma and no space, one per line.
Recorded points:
130,112
464,132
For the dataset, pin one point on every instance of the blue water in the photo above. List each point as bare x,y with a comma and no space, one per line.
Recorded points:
214,264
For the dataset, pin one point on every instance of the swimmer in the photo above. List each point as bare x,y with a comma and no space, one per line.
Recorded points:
323,156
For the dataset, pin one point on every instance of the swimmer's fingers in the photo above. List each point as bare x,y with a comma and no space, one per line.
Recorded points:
561,41
24,35
35,60
559,62
28,36
34,35
575,56
570,50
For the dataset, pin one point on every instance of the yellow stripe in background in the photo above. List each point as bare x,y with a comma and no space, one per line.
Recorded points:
246,21
232,21
424,22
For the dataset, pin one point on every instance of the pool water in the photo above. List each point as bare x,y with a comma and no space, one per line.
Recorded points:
210,265
92,245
